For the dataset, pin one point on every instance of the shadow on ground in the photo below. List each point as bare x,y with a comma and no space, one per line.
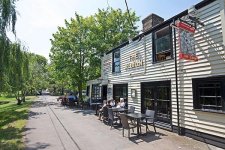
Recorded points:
147,137
37,145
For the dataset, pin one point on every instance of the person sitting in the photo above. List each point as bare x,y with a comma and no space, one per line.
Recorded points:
112,102
71,99
100,110
121,104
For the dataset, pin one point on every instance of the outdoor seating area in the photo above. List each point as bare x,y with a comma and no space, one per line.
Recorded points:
118,116
126,118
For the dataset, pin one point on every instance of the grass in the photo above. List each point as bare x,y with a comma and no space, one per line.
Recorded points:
13,119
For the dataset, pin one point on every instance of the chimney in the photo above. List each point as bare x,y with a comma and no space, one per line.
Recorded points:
151,21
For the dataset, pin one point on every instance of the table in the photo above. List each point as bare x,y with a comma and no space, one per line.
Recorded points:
96,107
138,117
114,109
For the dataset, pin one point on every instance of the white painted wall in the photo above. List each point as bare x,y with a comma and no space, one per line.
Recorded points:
210,50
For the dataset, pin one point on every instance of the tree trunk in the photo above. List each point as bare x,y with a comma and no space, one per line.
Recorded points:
80,91
23,96
62,91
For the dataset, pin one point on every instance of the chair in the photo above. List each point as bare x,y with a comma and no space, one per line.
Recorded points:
149,120
105,114
131,110
111,117
126,125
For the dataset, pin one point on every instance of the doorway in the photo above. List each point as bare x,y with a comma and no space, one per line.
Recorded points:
104,92
157,96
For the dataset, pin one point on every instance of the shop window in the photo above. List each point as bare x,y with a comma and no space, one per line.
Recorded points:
162,47
208,94
116,62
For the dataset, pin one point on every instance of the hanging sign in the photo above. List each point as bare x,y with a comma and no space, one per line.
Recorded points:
186,41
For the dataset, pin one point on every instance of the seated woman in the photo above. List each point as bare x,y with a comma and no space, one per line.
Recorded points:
121,104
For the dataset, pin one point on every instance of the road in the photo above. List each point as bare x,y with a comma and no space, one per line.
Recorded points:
54,127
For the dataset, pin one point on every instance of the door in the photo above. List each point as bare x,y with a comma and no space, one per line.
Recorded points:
104,92
157,96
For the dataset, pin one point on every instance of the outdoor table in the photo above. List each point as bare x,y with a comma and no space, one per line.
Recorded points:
138,117
96,107
114,109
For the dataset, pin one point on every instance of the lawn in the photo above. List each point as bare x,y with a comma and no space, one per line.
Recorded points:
13,119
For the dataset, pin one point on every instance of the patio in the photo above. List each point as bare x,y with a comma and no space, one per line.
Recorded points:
81,129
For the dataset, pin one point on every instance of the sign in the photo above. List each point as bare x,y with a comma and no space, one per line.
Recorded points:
135,61
186,42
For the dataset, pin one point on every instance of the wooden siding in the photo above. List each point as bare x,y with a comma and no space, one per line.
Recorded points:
211,53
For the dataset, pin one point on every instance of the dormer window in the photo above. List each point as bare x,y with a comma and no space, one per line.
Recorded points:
162,47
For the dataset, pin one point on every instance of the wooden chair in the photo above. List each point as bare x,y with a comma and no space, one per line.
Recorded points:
126,124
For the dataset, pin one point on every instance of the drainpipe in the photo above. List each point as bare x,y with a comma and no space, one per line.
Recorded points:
175,53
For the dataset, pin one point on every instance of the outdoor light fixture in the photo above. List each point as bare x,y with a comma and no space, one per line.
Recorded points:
133,93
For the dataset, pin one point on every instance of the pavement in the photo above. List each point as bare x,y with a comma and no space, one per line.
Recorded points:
54,127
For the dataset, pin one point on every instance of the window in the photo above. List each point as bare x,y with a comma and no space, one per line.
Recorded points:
162,44
96,92
208,93
120,91
157,96
88,91
116,62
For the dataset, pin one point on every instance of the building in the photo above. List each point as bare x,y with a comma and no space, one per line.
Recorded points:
143,71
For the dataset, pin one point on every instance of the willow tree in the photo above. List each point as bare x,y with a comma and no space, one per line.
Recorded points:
7,16
7,21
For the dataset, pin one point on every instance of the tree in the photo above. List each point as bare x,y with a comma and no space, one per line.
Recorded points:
38,76
7,16
77,48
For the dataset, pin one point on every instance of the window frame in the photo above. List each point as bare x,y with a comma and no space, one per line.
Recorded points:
118,91
154,54
196,92
113,63
96,91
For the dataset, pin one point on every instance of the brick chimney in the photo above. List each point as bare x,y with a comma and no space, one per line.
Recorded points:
151,21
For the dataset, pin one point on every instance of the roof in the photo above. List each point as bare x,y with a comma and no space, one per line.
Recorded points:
185,12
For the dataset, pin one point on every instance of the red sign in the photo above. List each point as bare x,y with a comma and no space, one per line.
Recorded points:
186,27
186,42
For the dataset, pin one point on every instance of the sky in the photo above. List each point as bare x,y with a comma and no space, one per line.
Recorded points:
38,19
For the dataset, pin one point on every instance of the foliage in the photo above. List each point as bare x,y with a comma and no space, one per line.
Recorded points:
21,71
12,122
77,48
7,16
38,73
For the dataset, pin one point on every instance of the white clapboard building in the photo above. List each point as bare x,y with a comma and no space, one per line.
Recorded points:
143,71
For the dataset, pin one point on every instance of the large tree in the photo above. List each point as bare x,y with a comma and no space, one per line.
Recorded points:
77,48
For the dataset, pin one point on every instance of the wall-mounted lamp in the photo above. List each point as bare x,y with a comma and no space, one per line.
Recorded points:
133,93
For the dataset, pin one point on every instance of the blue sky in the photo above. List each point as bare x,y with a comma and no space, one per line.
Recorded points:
39,19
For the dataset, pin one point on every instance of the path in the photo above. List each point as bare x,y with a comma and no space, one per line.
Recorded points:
55,127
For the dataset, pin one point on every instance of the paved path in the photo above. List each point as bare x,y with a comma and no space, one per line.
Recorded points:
55,127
